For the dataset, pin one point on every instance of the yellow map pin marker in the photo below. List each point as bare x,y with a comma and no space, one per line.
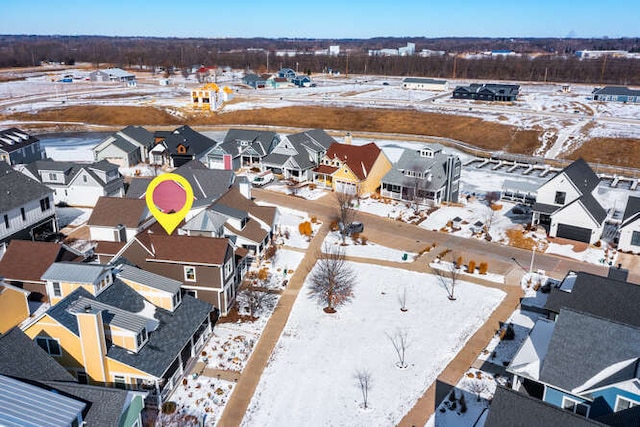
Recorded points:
169,199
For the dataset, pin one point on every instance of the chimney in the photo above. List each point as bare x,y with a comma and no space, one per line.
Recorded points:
93,343
348,138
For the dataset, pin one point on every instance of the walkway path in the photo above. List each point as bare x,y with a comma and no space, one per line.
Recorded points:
246,386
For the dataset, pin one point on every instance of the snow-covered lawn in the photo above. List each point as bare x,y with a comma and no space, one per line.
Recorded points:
304,191
327,350
288,233
446,267
368,250
229,347
591,255
202,397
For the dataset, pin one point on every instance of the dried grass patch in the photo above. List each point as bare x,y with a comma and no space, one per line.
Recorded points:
519,240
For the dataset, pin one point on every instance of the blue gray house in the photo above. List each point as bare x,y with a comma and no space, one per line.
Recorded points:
287,73
582,363
617,94
487,92
302,80
426,176
242,148
256,81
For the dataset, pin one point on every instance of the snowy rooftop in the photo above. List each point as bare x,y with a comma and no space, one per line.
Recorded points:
528,361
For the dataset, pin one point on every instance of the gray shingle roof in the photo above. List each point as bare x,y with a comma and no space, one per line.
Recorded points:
410,160
207,220
195,142
139,134
599,296
70,170
123,144
512,409
616,90
106,404
582,176
17,189
229,211
593,207
423,80
544,208
313,139
631,210
627,418
128,272
21,357
259,140
74,272
595,342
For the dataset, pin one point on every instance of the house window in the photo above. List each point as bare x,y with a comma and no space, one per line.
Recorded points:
635,238
53,177
176,299
623,403
575,406
6,222
57,291
228,268
84,178
22,214
50,345
560,197
142,337
45,205
118,381
190,274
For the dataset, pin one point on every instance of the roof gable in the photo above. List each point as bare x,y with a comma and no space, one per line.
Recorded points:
359,158
113,211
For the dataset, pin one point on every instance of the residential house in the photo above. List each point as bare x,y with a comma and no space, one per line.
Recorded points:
25,261
606,297
616,94
77,184
207,184
352,169
26,206
279,82
581,363
24,361
18,147
109,332
256,81
424,84
242,148
127,147
487,92
423,176
180,146
629,240
565,205
287,73
237,217
510,408
302,80
206,266
14,305
118,219
113,75
298,154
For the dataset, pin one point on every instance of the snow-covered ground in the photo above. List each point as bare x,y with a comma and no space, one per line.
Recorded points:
367,250
321,348
288,233
500,351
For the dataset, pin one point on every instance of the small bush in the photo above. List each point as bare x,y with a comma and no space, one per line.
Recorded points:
169,407
471,268
334,226
270,252
305,228
597,244
314,220
459,262
263,274
484,267
312,186
363,240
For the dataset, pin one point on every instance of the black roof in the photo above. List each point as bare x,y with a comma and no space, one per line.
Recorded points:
164,344
195,142
14,139
593,207
600,296
17,189
631,211
21,357
582,346
582,176
627,418
512,409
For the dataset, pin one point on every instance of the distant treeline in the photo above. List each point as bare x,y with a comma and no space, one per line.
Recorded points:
555,61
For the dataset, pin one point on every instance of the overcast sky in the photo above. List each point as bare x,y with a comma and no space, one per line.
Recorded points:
325,19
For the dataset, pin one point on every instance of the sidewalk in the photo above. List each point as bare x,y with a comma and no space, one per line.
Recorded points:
246,386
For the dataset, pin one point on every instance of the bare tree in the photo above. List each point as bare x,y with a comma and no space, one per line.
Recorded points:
332,279
364,381
448,276
346,213
255,298
400,341
476,387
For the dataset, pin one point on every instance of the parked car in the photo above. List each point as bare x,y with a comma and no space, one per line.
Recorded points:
353,227
263,178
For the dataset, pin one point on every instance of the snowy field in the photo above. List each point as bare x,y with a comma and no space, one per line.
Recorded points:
369,250
321,348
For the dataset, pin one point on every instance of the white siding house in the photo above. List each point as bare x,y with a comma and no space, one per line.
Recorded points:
424,84
629,240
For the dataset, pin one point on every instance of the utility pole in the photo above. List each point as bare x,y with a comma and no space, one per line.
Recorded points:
604,65
267,62
347,70
455,58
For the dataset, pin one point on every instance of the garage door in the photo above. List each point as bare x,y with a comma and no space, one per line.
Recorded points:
574,233
345,187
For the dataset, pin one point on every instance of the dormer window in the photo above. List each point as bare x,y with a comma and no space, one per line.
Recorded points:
142,337
182,149
57,290
244,143
177,298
